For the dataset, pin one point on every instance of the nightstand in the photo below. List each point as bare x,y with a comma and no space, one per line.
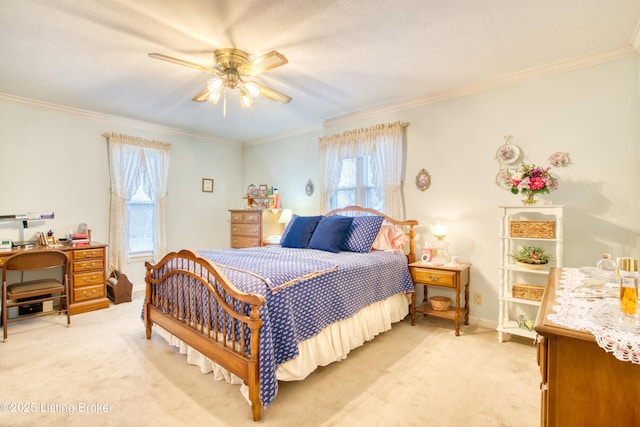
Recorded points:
454,277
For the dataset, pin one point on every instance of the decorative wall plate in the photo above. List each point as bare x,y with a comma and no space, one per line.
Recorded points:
309,188
501,179
508,153
423,180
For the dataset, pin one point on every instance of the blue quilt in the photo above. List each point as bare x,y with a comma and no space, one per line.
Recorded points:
305,291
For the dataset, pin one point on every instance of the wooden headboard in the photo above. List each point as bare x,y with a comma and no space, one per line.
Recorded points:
406,225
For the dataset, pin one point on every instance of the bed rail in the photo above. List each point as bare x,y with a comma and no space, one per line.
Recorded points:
191,298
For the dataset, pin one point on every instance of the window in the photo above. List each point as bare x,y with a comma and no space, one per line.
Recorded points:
355,186
142,222
138,169
363,167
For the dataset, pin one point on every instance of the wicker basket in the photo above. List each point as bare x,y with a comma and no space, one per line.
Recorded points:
440,303
535,229
526,291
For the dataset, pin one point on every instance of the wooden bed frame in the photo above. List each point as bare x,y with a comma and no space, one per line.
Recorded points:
170,304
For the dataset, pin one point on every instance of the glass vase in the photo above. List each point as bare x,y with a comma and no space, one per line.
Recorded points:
530,199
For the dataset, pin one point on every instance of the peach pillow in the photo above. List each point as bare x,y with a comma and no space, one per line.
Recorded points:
389,238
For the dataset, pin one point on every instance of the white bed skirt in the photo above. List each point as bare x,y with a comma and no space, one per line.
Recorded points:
330,345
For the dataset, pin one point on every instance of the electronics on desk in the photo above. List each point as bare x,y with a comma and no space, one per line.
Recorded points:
6,245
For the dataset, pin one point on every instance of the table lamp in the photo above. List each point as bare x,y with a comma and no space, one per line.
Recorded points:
440,231
285,216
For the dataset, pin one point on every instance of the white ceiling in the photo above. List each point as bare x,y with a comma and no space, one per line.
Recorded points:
344,56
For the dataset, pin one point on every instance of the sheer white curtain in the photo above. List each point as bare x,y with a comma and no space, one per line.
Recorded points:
134,162
384,143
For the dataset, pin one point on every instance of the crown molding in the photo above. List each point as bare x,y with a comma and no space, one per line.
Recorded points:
280,136
573,64
113,119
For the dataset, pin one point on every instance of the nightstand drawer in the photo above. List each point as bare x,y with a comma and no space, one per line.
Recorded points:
435,277
249,230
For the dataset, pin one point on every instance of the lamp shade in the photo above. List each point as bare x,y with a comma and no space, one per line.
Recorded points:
439,231
285,216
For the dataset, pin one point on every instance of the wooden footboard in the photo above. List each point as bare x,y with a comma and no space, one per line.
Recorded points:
192,299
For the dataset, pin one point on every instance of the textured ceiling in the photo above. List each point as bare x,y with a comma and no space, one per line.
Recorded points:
344,55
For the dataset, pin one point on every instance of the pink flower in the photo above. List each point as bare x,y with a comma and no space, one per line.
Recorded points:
536,183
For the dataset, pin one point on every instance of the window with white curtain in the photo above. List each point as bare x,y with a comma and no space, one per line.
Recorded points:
138,171
355,186
363,167
141,211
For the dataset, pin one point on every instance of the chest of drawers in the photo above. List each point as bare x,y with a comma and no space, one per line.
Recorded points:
246,228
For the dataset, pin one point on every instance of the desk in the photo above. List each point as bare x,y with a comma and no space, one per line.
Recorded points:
87,274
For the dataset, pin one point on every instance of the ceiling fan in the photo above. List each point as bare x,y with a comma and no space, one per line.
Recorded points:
232,67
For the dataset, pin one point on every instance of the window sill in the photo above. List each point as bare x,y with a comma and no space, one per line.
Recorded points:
139,257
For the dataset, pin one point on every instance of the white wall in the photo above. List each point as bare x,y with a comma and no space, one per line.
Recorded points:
55,159
593,114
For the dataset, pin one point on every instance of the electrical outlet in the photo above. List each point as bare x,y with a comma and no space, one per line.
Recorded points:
477,298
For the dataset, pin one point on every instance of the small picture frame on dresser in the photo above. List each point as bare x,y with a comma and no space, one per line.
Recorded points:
263,190
207,185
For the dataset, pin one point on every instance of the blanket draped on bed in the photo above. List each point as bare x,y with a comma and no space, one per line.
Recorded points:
305,291
275,269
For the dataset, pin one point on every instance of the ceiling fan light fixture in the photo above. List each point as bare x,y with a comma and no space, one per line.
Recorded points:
231,65
215,84
214,97
245,98
253,89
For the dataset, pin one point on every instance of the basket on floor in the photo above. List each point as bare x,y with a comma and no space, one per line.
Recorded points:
535,229
440,303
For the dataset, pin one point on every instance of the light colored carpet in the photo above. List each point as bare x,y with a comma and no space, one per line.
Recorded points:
410,376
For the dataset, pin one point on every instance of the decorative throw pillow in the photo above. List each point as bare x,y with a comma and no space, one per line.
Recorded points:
300,232
288,227
390,238
330,233
362,233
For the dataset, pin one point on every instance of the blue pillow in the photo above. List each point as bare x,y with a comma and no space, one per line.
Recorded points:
300,232
330,233
362,233
288,227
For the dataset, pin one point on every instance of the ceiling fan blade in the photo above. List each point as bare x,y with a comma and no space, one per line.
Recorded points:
183,62
202,96
267,92
262,63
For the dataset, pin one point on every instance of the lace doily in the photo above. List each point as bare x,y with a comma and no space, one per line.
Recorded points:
596,309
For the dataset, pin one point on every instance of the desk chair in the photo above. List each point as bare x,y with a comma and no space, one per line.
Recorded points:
26,292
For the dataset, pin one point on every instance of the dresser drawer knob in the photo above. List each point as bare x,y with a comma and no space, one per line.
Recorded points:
434,278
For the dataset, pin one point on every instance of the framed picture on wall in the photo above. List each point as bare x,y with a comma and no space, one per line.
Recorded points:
207,185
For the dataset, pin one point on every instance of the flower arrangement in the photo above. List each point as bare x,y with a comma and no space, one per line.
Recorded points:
531,180
531,255
559,159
